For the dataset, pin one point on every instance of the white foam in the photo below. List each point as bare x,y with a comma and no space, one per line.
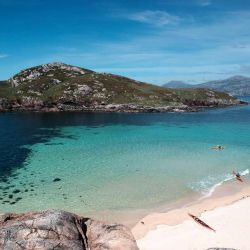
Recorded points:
245,172
208,192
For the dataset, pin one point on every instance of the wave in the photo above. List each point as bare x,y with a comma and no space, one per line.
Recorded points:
207,186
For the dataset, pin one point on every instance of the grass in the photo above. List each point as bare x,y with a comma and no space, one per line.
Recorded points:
106,88
5,89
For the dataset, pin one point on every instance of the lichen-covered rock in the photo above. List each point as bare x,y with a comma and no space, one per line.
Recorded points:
61,230
83,89
113,236
36,72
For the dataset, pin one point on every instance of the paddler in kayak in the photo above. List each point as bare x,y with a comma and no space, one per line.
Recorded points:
218,147
238,176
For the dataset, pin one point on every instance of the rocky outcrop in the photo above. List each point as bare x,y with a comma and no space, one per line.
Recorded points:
36,72
59,230
32,105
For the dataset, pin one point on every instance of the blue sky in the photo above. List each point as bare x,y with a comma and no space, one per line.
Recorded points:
150,40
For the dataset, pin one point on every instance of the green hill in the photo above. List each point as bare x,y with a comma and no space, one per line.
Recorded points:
58,86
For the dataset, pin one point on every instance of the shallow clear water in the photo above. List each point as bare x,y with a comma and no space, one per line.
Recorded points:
117,161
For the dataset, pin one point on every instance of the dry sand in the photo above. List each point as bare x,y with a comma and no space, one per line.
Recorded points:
226,211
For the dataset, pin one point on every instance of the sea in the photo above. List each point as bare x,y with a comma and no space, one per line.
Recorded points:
93,162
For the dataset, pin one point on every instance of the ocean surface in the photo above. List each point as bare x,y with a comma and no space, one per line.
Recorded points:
90,162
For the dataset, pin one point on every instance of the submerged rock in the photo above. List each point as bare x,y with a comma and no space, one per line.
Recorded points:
61,230
56,180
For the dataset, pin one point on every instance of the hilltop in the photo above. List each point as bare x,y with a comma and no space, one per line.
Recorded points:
62,87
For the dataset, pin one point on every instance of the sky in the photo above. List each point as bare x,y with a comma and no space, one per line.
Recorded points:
154,41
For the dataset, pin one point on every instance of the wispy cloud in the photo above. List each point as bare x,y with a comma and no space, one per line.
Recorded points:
156,17
218,47
204,51
204,3
3,56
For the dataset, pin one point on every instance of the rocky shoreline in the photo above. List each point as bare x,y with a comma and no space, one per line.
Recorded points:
38,106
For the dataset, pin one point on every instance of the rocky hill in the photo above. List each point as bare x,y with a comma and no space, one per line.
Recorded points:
62,87
237,85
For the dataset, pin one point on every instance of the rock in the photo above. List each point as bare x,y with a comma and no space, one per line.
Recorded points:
61,230
56,180
83,90
56,81
52,109
114,236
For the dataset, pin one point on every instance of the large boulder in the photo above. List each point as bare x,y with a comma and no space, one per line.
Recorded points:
61,230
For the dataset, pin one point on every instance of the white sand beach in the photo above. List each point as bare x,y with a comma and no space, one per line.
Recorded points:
228,215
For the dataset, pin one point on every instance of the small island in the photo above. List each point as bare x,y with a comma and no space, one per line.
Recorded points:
57,87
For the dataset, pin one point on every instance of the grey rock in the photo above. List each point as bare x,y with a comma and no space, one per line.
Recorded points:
114,236
61,230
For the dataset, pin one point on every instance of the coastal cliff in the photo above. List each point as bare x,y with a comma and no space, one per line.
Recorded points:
61,230
62,87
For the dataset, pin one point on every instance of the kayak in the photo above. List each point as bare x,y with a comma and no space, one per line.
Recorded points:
218,147
202,223
237,176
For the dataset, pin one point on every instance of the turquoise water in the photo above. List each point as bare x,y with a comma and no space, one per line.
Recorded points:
133,161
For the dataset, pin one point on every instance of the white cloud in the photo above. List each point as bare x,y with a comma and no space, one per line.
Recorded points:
202,51
157,18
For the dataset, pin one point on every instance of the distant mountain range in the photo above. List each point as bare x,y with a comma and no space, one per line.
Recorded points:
62,87
236,85
177,85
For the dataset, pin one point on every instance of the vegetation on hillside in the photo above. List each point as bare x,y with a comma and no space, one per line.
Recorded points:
58,83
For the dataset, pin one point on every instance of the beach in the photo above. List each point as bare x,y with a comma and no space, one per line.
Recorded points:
226,213
146,171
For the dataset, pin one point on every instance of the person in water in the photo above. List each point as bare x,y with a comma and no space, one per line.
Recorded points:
237,175
218,147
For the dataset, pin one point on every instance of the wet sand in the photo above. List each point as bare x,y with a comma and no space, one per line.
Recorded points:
132,217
